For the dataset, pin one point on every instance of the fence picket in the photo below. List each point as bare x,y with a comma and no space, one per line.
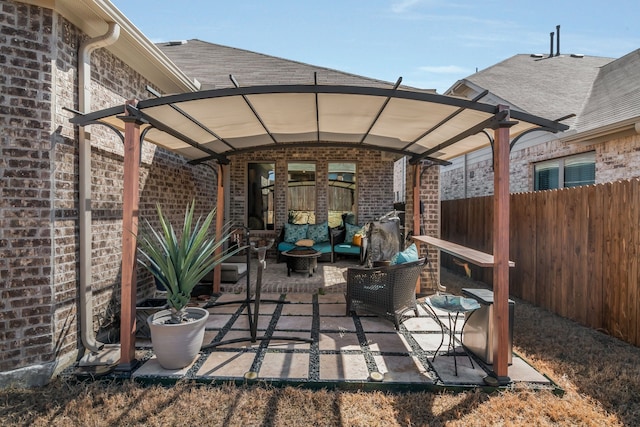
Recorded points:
577,251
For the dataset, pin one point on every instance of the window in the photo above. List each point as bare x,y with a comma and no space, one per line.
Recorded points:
301,193
566,172
342,193
260,186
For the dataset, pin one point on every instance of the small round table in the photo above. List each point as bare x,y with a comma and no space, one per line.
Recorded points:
302,259
454,306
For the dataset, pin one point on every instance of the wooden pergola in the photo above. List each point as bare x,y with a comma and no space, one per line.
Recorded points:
211,125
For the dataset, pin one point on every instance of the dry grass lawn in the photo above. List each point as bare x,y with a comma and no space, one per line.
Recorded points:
601,376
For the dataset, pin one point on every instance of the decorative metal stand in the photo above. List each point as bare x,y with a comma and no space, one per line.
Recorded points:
454,306
249,301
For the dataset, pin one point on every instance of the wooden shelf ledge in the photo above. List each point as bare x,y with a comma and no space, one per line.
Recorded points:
474,256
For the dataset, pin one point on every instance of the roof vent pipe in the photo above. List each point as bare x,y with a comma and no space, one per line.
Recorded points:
551,45
84,190
558,40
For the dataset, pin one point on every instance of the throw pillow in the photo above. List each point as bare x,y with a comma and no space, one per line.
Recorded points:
305,242
408,255
295,232
351,231
318,232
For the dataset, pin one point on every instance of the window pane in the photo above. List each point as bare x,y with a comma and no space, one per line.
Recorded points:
260,206
546,175
342,192
580,170
301,193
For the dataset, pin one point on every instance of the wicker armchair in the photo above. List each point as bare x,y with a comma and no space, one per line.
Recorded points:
387,291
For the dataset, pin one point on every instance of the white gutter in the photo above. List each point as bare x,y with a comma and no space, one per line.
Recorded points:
133,47
630,126
84,160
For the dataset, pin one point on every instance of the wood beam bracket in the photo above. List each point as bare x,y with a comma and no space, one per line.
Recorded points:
501,120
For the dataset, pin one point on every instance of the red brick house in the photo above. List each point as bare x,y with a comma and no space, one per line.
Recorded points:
602,144
60,292
62,185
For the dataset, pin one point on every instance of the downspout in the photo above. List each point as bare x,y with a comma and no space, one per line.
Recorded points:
84,160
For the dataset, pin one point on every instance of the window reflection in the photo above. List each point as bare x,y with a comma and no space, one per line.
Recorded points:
301,193
260,206
342,193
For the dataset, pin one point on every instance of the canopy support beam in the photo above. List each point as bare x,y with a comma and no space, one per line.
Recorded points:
253,110
417,216
132,110
217,271
491,122
375,119
192,119
314,144
130,210
444,121
501,246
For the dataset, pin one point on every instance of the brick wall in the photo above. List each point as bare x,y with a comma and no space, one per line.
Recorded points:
429,219
617,158
39,266
26,295
374,181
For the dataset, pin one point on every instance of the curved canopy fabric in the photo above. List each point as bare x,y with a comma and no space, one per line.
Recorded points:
214,124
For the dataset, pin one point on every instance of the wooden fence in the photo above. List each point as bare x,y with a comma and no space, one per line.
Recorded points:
576,251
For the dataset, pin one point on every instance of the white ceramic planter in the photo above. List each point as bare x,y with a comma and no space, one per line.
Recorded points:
176,346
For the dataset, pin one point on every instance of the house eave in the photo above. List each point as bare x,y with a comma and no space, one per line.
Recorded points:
628,127
133,47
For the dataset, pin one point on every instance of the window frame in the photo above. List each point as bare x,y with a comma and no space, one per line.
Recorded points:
309,218
353,211
265,213
561,168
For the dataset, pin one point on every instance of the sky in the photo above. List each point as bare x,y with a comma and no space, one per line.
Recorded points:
431,44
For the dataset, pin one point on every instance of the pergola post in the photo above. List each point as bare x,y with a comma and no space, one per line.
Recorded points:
217,271
416,209
501,248
130,209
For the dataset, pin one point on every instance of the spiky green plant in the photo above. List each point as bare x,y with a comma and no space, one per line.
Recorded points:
180,263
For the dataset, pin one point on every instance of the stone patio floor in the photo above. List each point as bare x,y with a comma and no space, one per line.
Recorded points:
356,351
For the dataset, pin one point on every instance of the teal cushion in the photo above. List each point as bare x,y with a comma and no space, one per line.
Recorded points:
408,255
318,232
322,247
346,249
295,232
351,231
284,246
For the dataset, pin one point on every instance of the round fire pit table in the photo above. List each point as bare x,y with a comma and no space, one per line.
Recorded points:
302,260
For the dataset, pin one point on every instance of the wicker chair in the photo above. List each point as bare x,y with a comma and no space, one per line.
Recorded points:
388,291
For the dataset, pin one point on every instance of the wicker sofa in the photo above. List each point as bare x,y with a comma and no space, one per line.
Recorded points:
318,234
344,245
388,291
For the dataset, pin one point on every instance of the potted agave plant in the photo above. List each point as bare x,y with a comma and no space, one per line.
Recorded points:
179,263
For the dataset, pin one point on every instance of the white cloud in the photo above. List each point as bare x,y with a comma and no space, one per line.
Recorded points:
403,6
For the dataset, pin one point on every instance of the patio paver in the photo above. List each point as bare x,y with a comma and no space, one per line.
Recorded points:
362,351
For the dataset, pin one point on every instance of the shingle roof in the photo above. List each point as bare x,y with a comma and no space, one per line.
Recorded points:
211,64
615,95
550,87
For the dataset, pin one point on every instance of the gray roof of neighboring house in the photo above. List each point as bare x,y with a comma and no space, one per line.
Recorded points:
550,87
211,64
615,95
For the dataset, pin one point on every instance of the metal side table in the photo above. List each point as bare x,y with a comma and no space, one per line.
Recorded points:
454,306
